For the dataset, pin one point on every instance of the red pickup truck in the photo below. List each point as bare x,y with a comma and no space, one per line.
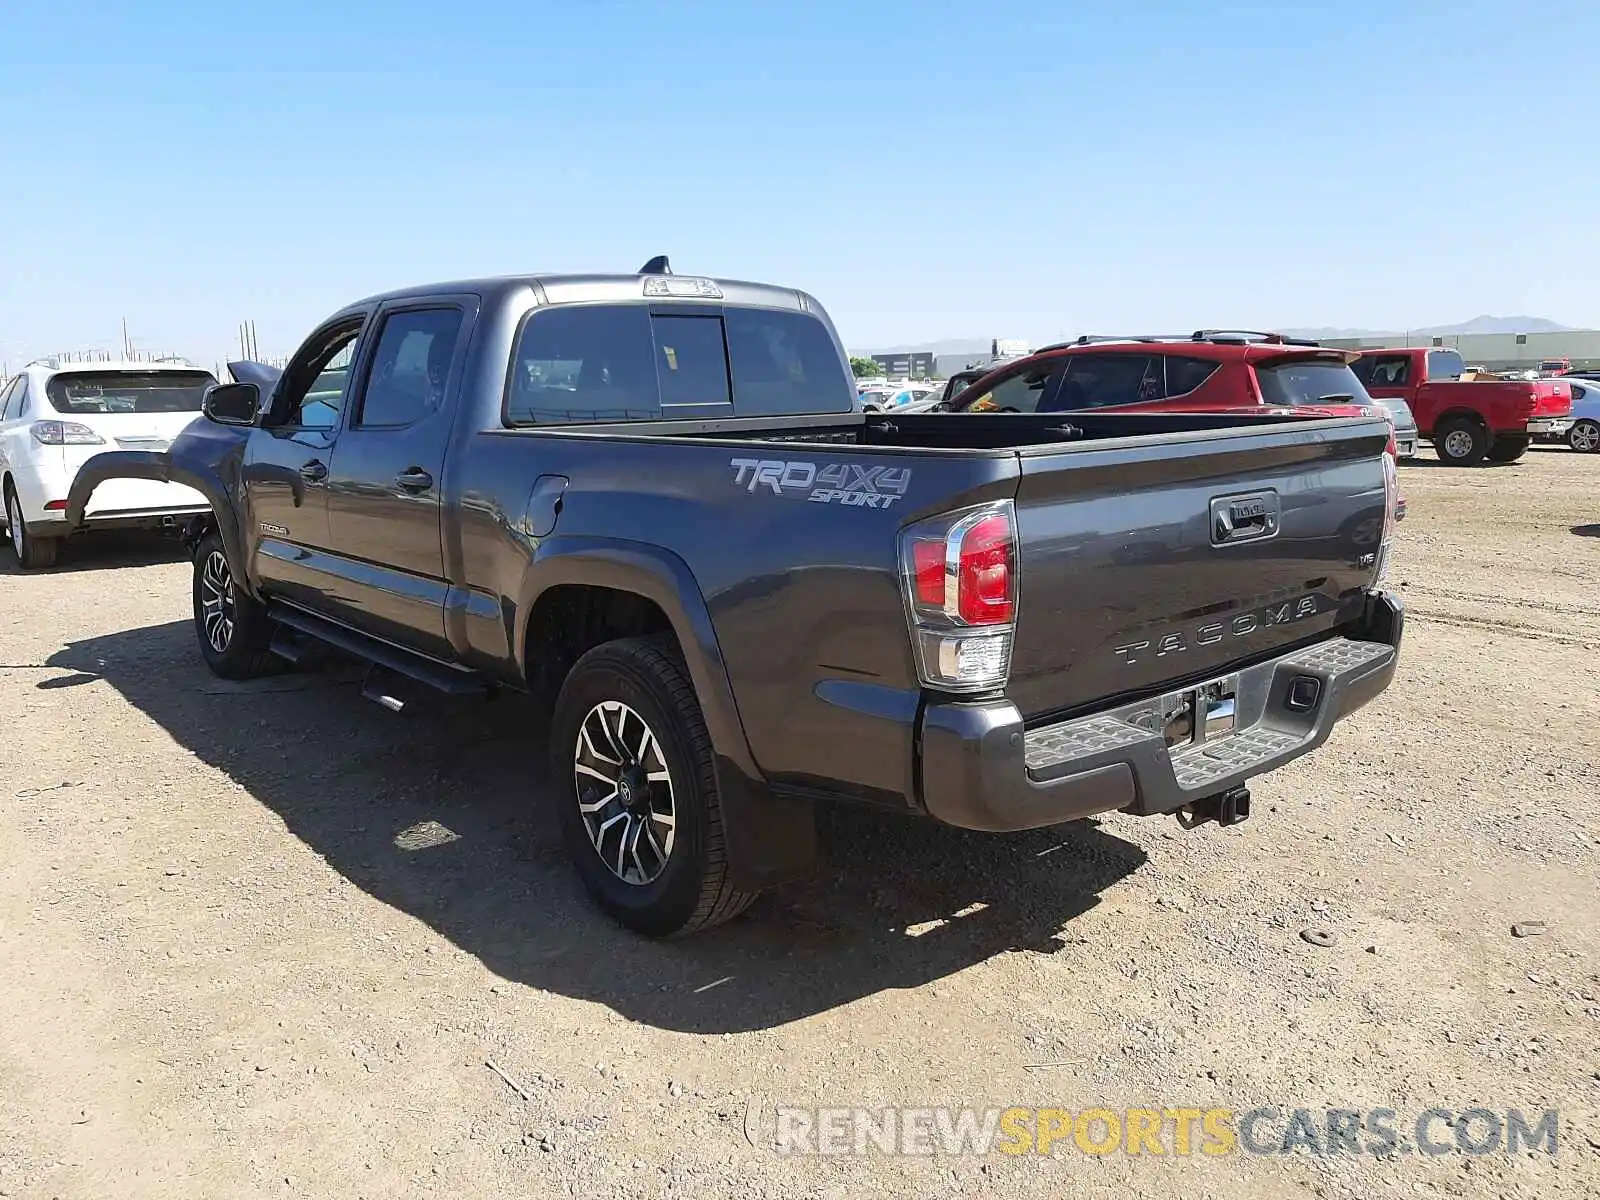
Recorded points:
1467,421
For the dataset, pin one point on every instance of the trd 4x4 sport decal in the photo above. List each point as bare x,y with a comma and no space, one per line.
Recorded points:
849,484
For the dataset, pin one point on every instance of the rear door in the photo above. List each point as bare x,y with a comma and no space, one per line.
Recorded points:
1151,561
386,475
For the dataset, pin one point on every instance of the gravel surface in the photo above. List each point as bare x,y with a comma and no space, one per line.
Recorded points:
268,939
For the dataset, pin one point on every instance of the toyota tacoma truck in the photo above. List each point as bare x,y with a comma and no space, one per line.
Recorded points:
1467,421
654,500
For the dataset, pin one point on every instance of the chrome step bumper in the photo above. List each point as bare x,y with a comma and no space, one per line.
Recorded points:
982,770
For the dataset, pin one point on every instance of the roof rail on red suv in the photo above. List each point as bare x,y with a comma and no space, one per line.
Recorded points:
1219,336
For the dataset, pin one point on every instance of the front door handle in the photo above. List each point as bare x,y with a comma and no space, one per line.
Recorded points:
415,479
314,472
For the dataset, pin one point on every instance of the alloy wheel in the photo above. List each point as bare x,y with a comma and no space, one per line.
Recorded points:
625,792
1458,443
1585,436
216,601
14,520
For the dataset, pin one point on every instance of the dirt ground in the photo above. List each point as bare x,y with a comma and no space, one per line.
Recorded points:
264,940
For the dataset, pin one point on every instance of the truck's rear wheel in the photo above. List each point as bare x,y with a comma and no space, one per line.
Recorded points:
1460,442
232,626
1584,437
33,553
1508,449
636,790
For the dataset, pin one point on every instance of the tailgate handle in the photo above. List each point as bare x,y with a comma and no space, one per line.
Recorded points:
1243,518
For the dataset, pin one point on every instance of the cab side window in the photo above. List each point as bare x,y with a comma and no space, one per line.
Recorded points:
6,397
1391,371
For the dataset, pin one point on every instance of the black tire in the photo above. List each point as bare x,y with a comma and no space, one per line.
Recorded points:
33,553
231,627
1461,442
1584,437
1508,449
645,682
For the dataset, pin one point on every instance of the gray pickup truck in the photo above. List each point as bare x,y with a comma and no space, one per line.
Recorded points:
653,499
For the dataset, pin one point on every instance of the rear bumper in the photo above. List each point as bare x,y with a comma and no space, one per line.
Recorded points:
57,525
1405,444
981,769
1550,426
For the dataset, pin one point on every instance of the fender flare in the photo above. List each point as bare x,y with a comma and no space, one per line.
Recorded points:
770,838
663,578
159,467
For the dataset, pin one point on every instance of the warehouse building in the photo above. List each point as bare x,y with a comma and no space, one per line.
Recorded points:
1496,351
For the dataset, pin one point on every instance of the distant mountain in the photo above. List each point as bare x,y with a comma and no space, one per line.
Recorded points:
1480,324
1488,324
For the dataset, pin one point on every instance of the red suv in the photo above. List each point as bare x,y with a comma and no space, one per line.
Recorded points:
1212,370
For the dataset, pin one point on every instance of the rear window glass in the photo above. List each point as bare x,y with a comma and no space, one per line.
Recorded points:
618,362
784,363
691,363
1445,364
584,363
109,392
1186,374
1299,383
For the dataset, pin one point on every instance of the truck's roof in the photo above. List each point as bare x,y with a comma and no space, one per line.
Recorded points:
577,289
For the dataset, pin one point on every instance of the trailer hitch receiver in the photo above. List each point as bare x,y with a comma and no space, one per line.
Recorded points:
1231,807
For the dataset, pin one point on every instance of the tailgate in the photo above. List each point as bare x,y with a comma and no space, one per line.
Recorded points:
1157,561
1552,400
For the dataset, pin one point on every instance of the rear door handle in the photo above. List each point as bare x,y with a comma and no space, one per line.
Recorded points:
414,480
314,472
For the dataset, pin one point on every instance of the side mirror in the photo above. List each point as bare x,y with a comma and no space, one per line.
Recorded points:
232,403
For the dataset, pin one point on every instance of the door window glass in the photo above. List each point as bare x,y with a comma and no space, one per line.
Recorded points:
410,365
1106,380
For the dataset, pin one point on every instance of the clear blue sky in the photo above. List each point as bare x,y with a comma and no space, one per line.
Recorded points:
929,170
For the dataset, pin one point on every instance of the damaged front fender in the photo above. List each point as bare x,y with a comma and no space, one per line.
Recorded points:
205,456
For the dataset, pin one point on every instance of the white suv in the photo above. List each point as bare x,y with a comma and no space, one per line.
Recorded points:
55,416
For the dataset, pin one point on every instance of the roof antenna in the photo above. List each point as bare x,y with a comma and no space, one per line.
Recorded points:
657,266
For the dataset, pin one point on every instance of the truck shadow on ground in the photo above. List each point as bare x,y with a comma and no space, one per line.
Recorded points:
445,815
103,552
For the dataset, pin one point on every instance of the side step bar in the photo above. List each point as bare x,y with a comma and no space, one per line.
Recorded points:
452,681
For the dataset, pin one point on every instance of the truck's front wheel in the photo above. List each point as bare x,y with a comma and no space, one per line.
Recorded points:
231,625
636,790
1461,443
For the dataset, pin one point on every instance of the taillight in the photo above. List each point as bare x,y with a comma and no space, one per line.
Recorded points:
1391,514
960,580
64,433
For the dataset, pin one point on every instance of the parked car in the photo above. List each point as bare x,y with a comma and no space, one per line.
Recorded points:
906,397
55,416
655,500
1584,435
1208,371
1467,422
